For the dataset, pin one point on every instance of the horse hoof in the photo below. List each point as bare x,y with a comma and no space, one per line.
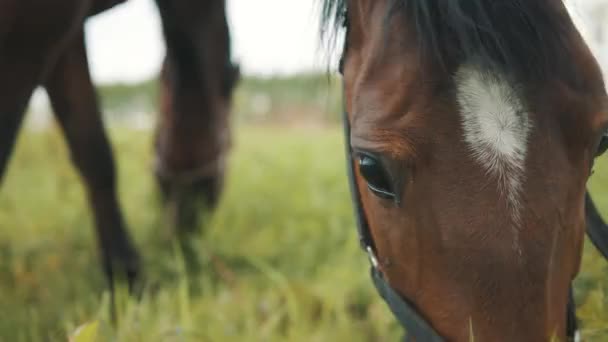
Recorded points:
124,269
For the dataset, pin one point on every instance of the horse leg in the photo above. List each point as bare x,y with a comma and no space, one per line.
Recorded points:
74,102
10,120
19,79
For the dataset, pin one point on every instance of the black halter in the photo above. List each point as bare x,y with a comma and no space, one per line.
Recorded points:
405,312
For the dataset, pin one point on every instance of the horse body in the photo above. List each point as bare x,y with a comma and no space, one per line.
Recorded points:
474,125
24,63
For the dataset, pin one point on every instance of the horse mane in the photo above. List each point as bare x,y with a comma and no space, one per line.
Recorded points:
521,36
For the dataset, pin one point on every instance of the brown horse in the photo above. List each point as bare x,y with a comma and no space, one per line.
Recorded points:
193,135
474,125
42,43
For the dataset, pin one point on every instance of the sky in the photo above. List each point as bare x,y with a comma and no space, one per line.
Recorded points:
269,37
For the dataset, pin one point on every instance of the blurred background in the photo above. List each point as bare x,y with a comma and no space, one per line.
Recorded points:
276,43
280,257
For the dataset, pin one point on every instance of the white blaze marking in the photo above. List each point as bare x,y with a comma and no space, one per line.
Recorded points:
496,128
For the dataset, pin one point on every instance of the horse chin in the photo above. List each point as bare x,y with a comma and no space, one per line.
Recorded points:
189,206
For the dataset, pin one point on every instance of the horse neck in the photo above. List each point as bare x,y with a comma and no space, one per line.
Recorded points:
197,69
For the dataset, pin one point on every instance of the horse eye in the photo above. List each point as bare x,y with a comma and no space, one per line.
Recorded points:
603,145
377,180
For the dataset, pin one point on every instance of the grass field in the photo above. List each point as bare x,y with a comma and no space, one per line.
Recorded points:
280,258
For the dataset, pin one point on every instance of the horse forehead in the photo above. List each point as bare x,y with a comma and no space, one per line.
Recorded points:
496,127
493,113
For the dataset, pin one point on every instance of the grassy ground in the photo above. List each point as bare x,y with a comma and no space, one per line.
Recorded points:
280,258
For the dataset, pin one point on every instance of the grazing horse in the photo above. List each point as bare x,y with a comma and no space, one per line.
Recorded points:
197,81
472,129
193,135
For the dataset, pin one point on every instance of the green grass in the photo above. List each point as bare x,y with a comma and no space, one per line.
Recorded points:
256,99
280,258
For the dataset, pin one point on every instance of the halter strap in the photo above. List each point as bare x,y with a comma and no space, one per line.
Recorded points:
365,237
409,317
188,177
596,227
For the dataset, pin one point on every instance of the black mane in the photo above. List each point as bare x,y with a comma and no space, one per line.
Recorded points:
522,36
